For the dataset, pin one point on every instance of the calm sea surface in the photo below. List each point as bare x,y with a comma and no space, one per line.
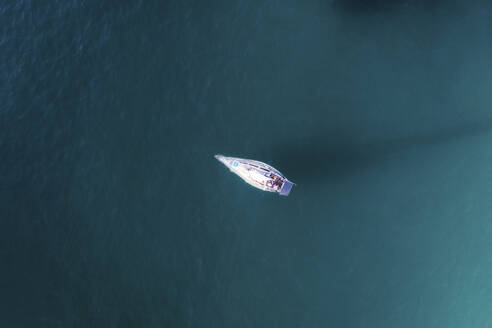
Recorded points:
114,212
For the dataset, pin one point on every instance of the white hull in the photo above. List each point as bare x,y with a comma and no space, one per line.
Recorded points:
258,174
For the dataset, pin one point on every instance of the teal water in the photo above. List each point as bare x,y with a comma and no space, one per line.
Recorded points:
114,212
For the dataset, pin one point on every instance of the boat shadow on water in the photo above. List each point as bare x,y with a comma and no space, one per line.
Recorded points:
334,158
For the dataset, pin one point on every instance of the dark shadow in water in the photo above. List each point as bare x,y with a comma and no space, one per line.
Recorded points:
336,158
368,6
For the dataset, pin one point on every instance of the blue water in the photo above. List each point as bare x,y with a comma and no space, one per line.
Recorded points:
114,212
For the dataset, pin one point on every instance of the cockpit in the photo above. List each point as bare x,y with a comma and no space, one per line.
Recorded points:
275,181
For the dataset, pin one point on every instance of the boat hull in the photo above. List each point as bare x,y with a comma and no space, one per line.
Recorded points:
258,174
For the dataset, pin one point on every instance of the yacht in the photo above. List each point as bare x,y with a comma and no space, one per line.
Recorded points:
258,174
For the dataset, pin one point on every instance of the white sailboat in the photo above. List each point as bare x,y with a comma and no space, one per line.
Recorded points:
258,174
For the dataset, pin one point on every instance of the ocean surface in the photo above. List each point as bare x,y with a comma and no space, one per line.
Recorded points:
114,212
